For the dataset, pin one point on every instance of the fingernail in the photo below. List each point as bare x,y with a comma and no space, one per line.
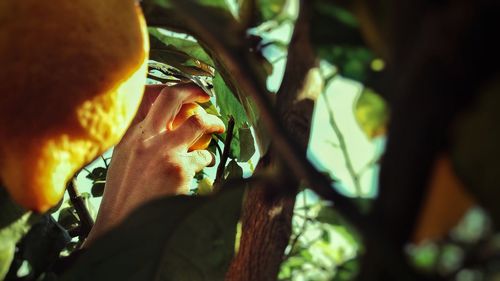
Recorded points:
212,163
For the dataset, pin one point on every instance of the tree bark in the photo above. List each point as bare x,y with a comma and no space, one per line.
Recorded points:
268,211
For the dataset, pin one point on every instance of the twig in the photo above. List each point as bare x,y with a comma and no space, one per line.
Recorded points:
86,170
219,177
301,231
367,166
343,149
217,146
86,220
105,162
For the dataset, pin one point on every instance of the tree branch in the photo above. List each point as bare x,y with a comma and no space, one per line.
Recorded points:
219,177
79,204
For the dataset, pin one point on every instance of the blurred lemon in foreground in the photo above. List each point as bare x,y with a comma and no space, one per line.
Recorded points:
71,79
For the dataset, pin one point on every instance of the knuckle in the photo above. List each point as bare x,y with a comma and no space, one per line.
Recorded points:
197,121
176,169
205,156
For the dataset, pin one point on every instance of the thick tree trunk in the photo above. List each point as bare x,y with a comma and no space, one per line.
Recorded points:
267,214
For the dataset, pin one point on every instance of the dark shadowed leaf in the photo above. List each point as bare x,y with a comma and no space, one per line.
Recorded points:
347,271
68,218
337,38
233,170
175,238
476,149
328,215
247,147
42,244
98,188
97,174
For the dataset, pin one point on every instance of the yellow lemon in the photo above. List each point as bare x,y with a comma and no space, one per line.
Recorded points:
72,76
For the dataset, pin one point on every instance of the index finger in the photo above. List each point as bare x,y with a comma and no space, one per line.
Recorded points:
167,105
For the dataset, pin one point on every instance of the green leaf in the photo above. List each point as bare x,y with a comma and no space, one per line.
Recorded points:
205,186
336,36
42,244
234,171
347,271
97,174
328,215
270,9
174,238
181,49
213,19
372,113
246,144
68,218
14,223
227,102
98,188
214,3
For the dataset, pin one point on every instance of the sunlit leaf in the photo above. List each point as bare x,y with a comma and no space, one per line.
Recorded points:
372,113
227,102
205,186
14,223
183,48
270,9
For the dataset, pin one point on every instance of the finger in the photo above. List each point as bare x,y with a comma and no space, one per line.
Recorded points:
199,159
151,92
167,105
193,128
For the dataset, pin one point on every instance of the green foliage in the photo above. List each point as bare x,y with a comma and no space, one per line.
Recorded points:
175,50
234,171
176,238
270,9
14,223
68,218
342,43
40,247
246,144
227,102
372,113
98,178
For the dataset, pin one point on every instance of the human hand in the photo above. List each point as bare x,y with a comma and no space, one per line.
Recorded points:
152,159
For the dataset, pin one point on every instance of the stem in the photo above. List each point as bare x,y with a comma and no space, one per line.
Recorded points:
301,231
219,150
86,220
343,148
105,162
225,154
